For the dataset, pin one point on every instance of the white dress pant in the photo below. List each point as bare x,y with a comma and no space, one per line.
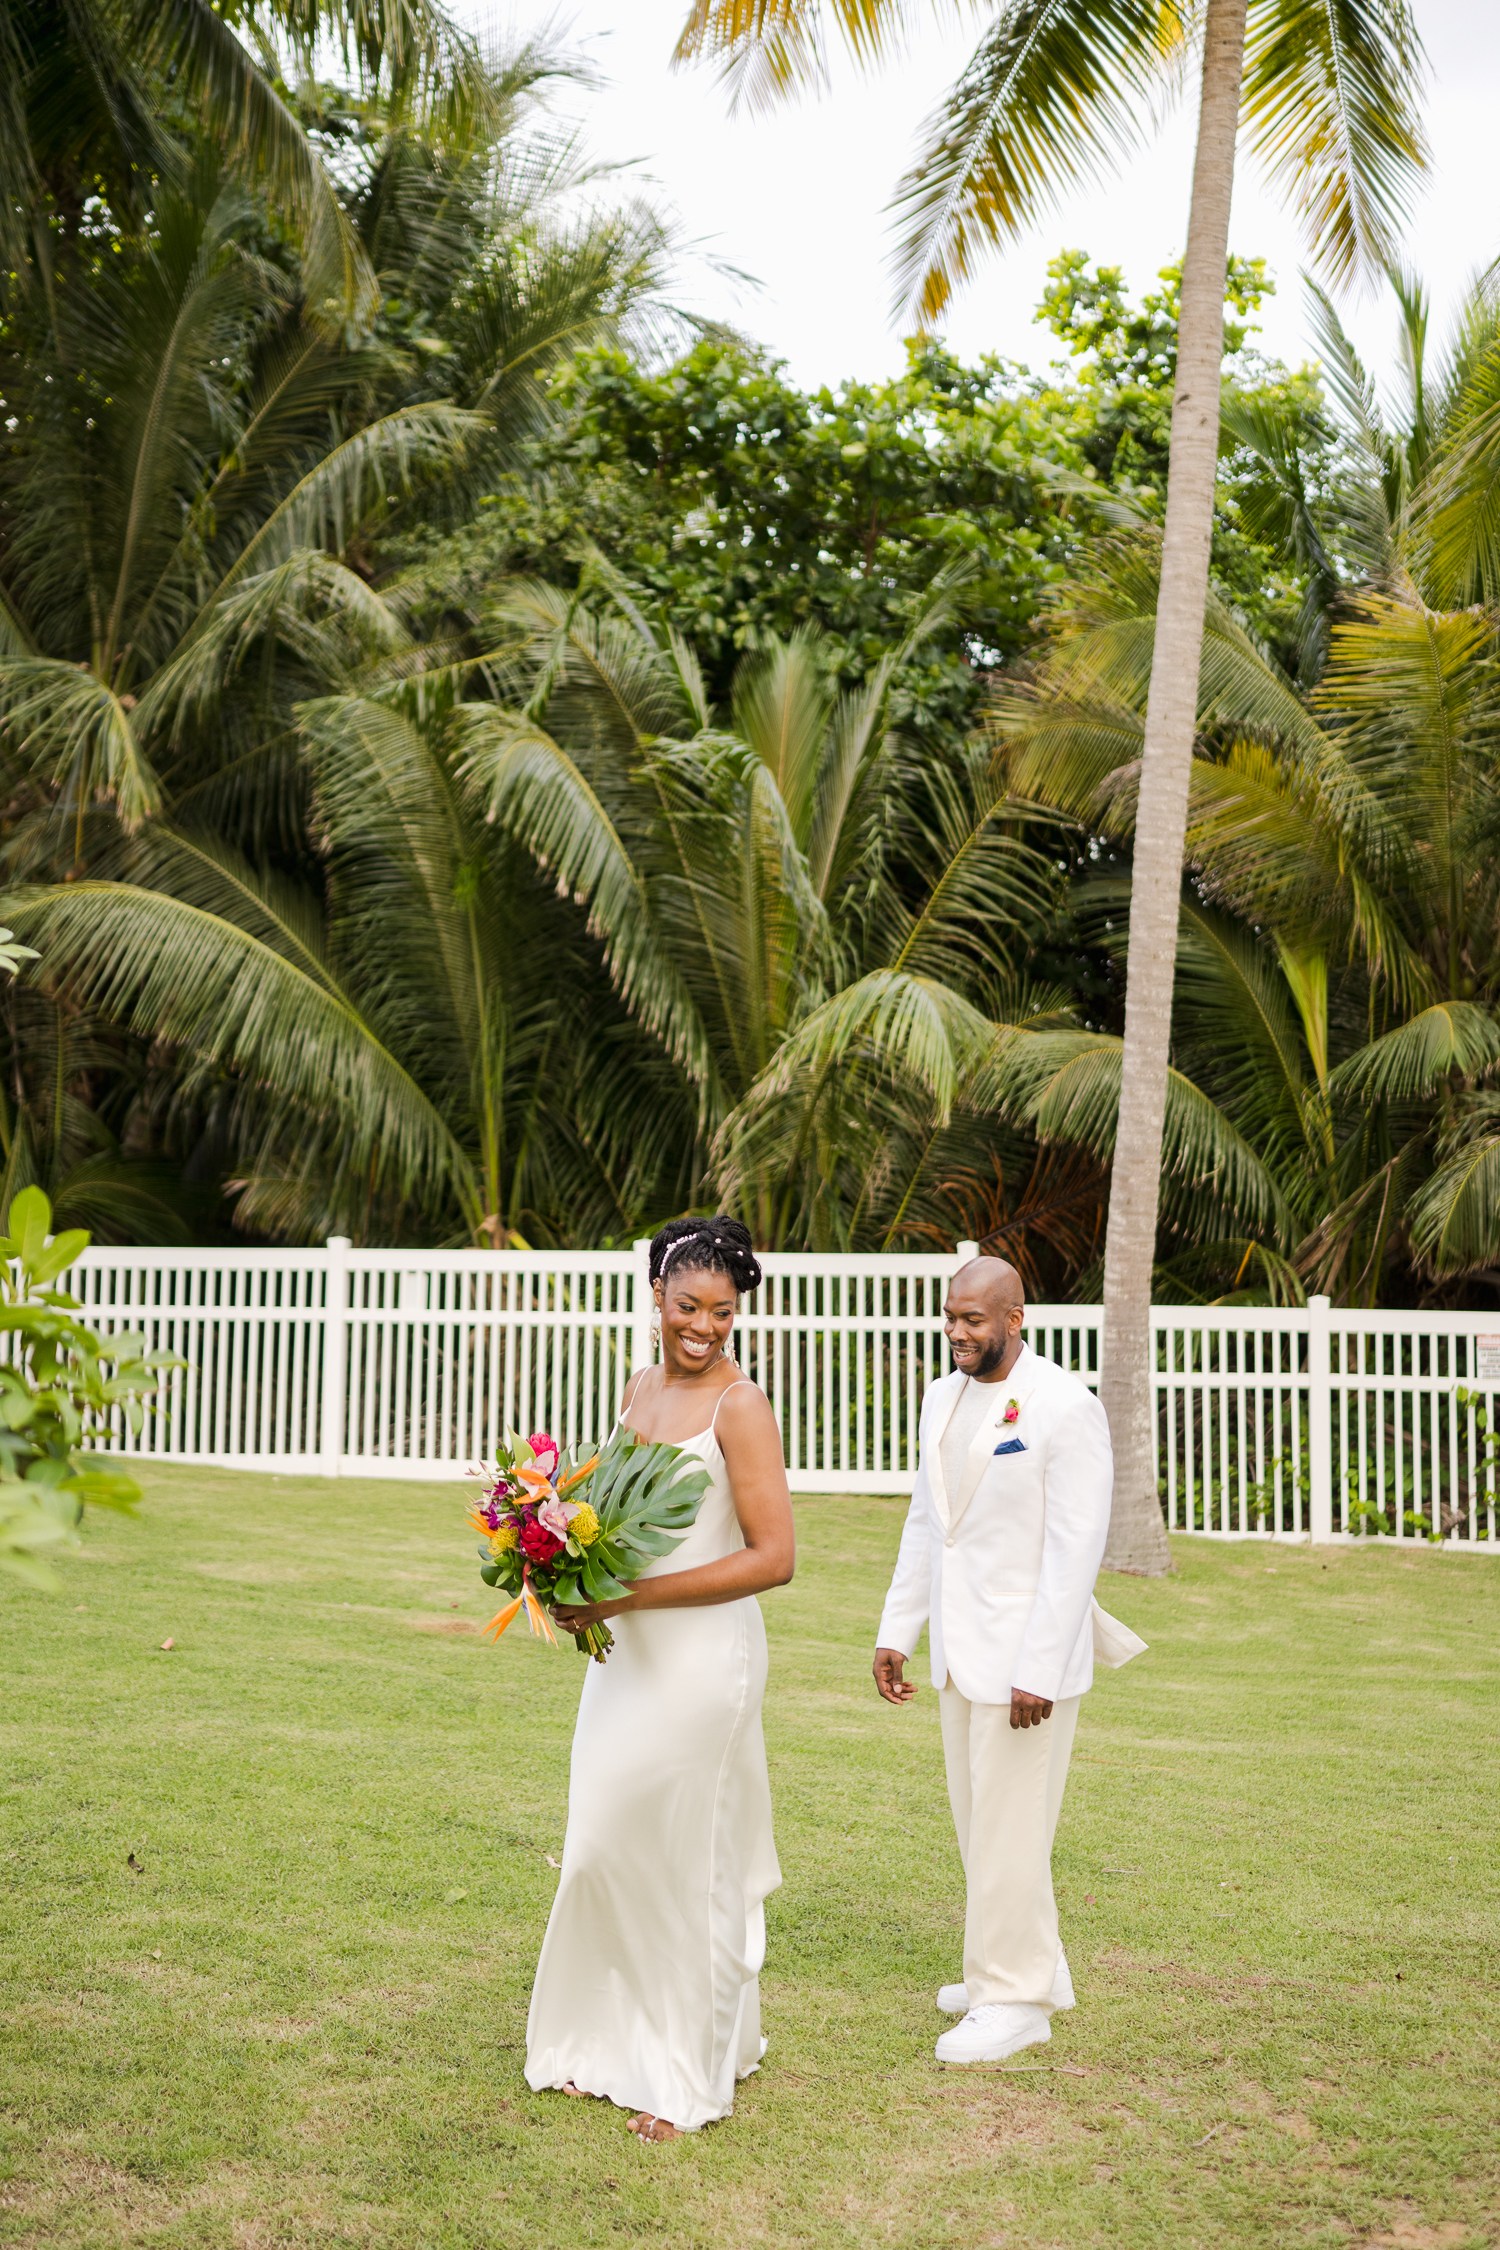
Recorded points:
1006,1786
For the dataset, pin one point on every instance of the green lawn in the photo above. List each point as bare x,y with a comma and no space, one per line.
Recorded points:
299,2018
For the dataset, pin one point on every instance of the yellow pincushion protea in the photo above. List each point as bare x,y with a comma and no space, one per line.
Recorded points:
503,1541
583,1525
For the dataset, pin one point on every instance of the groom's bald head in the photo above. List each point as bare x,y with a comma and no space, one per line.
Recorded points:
982,1317
998,1285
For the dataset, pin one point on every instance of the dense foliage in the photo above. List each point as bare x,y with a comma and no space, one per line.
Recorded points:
61,1387
493,766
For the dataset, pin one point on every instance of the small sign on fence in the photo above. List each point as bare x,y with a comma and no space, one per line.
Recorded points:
1487,1359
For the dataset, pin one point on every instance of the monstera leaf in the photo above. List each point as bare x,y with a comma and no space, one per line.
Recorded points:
646,1498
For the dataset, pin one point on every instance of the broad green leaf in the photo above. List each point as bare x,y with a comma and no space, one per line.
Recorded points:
30,1221
63,1252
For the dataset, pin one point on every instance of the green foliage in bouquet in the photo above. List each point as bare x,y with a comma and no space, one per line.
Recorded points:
644,1499
559,1533
60,1384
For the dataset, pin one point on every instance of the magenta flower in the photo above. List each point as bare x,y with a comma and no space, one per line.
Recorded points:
1012,1411
546,1452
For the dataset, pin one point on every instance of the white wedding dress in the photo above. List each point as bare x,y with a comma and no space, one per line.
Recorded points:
646,1991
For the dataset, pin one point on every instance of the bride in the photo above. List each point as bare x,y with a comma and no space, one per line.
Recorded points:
646,1992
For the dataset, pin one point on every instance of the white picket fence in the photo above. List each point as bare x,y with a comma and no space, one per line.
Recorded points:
400,1363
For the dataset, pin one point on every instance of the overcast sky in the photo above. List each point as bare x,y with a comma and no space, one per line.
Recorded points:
798,198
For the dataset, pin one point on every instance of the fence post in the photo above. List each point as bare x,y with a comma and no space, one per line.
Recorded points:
640,1303
1319,1423
964,1251
335,1351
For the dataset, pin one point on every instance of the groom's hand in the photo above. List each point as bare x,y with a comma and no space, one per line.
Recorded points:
1028,1710
887,1670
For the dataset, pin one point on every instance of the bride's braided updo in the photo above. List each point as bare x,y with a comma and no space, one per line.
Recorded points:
717,1245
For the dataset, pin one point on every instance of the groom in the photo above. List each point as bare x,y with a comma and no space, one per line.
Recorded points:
1002,1544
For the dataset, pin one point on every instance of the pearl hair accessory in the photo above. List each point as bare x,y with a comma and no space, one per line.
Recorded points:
682,1243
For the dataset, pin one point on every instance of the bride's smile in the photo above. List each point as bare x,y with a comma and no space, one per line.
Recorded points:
697,1312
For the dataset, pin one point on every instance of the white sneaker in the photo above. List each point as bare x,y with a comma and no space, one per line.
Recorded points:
953,1999
990,2034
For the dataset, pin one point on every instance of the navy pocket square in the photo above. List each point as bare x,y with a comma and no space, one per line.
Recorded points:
1010,1445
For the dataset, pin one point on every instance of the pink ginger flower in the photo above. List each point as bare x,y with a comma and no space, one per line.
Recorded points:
546,1452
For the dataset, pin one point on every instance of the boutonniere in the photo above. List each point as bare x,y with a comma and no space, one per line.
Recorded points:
1012,1411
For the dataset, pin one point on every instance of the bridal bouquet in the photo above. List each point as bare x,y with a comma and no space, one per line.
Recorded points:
555,1531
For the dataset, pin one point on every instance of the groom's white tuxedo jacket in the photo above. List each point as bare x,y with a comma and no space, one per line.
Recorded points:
1002,1571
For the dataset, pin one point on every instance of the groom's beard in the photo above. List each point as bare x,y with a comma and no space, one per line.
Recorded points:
988,1361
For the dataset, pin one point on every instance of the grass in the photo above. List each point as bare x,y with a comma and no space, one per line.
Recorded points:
273,1898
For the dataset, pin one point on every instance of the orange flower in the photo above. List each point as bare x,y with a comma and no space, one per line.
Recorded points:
576,1475
540,1622
536,1617
498,1623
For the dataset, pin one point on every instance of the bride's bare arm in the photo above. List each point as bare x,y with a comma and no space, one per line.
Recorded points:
751,1445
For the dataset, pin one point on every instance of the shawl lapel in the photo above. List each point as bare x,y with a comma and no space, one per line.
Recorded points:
1018,1385
933,1450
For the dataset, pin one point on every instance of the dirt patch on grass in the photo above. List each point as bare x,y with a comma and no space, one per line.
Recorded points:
1408,2234
86,2196
1198,1980
444,1625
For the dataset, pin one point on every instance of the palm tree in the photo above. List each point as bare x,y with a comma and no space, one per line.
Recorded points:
764,886
197,465
1055,88
796,921
411,1044
197,473
1339,952
99,94
834,939
182,492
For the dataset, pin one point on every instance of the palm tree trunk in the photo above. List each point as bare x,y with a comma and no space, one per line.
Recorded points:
1137,1539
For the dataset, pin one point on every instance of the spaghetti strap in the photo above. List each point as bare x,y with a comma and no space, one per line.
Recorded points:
712,1430
698,1435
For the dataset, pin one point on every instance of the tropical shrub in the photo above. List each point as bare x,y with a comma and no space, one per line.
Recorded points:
61,1387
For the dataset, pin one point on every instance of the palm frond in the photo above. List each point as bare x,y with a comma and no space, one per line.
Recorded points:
193,45
356,481
782,705
229,967
907,1025
1234,1270
1062,725
311,608
767,49
1453,1038
1454,1216
77,735
983,883
1236,1033
530,784
1066,1086
1459,518
1332,98
1051,96
607,676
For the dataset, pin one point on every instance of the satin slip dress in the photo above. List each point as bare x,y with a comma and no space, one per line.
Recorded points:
647,1989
